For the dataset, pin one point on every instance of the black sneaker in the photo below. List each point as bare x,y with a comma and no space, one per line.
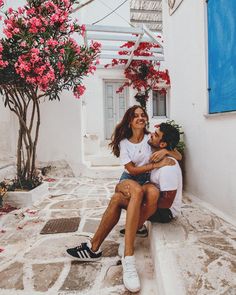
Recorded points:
142,232
84,253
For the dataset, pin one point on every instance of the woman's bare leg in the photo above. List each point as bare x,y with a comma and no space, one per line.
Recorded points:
110,218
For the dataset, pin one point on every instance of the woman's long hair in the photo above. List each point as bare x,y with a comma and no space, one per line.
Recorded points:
123,129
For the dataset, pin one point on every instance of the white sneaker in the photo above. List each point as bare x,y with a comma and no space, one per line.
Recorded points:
130,275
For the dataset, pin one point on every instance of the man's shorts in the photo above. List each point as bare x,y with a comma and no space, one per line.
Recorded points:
162,215
141,178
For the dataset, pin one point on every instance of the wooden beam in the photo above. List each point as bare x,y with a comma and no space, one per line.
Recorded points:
117,48
144,21
134,48
152,36
116,38
159,57
114,29
145,11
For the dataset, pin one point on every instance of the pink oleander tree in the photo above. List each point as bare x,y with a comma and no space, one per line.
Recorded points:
39,59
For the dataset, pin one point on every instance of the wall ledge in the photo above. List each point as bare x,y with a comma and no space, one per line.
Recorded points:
216,115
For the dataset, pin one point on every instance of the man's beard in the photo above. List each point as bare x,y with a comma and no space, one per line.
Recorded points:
156,147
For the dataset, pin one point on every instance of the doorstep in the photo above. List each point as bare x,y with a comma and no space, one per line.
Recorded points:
194,254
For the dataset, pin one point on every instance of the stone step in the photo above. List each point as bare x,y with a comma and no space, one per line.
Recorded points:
103,172
102,160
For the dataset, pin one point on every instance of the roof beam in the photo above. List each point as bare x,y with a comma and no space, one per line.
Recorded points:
116,38
118,48
159,57
152,36
134,48
114,29
145,21
145,11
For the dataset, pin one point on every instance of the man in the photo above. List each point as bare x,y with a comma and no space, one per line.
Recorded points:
168,179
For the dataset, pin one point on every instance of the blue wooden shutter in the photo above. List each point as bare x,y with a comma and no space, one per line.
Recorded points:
222,55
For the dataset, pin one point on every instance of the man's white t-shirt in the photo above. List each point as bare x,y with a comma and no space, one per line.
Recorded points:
169,178
138,153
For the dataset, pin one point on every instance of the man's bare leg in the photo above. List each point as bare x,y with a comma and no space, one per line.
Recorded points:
149,206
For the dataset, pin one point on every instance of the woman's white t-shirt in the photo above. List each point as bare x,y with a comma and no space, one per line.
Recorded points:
138,153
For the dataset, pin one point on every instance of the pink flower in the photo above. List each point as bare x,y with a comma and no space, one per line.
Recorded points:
23,44
1,3
10,10
52,42
83,28
7,33
16,31
79,90
96,45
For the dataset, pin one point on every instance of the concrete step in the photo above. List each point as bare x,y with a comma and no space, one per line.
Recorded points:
102,160
103,172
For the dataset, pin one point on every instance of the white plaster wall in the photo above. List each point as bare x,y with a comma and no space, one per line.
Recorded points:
210,142
60,131
6,133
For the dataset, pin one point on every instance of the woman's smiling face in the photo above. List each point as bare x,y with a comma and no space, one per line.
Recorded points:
139,120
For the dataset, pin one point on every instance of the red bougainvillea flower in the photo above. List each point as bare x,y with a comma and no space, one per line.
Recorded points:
142,75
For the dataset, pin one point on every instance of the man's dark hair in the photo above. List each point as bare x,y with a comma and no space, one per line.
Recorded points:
170,135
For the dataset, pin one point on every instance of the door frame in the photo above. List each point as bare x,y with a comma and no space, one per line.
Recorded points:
119,80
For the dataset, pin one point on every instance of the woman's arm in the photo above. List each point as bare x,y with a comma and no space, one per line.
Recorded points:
133,170
159,155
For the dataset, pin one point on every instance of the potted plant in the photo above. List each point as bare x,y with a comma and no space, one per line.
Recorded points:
39,59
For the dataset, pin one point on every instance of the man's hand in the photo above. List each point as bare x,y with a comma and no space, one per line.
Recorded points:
158,156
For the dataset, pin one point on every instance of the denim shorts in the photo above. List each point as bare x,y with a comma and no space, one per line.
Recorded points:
141,178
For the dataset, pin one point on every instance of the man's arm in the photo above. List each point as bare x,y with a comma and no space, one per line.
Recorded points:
134,170
159,155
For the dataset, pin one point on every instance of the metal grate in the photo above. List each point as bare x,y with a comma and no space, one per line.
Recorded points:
62,225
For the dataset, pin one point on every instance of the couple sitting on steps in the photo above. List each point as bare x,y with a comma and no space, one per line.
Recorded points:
150,188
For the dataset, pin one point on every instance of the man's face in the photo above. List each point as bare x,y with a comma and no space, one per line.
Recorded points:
156,139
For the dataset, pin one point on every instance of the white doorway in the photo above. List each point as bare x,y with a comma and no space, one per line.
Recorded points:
115,105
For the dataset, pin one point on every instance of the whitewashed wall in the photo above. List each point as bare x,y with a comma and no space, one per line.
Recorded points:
210,141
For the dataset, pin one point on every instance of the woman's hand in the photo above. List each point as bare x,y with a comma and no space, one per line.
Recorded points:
158,156
164,162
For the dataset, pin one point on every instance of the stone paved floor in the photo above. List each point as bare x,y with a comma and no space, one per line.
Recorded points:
31,263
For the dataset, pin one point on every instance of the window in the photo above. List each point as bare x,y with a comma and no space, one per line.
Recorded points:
222,55
158,104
